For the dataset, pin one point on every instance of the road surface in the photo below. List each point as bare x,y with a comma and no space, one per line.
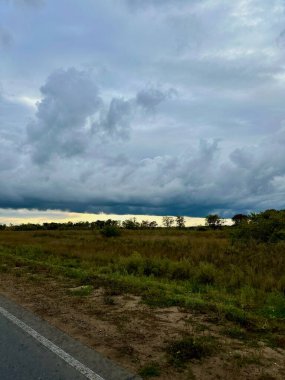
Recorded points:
31,349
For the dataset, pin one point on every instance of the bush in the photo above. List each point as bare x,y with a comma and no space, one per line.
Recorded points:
110,231
206,274
267,226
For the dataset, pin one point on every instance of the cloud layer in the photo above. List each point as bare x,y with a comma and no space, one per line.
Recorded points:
143,107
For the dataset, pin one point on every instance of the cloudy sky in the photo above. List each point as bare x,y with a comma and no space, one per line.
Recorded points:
142,106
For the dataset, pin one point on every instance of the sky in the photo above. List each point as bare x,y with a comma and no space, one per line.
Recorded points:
149,107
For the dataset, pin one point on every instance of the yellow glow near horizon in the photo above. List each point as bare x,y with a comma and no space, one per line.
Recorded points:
10,216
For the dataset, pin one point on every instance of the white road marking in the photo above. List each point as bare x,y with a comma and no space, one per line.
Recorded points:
85,371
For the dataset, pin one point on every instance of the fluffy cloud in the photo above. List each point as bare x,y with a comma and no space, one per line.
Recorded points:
72,114
61,124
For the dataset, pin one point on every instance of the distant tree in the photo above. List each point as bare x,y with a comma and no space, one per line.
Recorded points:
111,222
2,227
144,224
239,218
98,224
153,224
167,221
180,221
131,224
213,221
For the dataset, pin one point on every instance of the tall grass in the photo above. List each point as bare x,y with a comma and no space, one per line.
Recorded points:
167,267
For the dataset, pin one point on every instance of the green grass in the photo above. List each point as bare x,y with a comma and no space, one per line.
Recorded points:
201,271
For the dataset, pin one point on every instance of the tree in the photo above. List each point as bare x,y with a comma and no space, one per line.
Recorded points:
153,224
239,218
167,221
99,224
180,221
146,224
213,221
131,224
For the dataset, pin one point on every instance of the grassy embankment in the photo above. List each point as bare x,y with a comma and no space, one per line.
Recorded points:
199,271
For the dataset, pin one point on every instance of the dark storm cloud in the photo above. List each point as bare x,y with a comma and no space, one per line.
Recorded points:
174,108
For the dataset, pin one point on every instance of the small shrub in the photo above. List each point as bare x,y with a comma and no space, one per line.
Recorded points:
206,274
247,297
108,300
134,264
188,348
274,306
110,231
277,236
150,370
236,315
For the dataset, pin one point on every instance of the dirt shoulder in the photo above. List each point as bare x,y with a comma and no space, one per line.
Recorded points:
136,336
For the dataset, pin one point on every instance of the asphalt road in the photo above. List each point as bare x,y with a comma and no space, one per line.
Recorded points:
31,349
23,358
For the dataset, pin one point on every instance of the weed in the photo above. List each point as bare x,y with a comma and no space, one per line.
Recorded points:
108,300
235,333
182,351
150,370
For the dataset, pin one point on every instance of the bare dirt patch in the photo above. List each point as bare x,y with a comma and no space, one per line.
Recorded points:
135,335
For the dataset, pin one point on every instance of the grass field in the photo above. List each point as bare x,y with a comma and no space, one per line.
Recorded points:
239,287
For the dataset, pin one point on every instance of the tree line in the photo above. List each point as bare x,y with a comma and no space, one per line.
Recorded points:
129,224
266,226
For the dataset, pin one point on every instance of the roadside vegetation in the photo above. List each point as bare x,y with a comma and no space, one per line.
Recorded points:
233,274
